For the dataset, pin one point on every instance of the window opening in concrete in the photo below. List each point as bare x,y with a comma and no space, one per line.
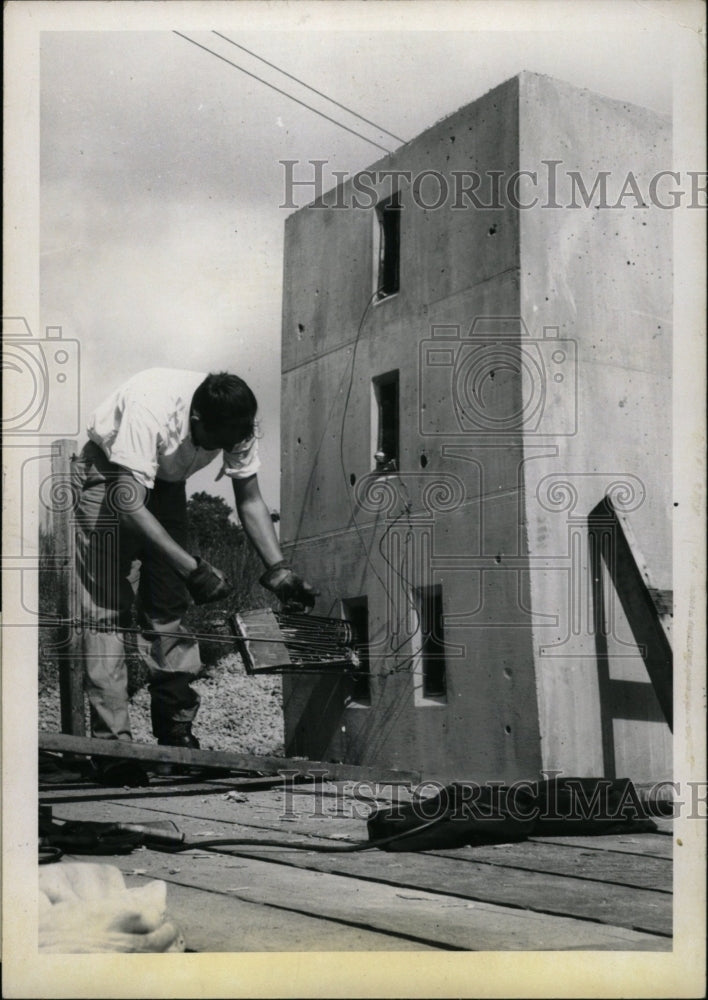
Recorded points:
387,245
430,642
386,420
356,611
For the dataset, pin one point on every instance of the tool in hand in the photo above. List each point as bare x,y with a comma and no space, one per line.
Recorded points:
270,641
278,642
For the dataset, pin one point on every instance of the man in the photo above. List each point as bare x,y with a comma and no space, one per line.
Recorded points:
145,440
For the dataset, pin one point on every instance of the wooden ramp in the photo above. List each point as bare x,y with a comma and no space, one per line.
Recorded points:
547,894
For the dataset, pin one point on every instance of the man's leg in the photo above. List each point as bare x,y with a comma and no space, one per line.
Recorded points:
102,595
170,652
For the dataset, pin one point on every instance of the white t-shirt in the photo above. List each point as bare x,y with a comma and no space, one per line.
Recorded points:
144,426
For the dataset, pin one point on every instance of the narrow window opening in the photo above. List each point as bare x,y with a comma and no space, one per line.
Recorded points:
432,641
388,245
355,610
386,416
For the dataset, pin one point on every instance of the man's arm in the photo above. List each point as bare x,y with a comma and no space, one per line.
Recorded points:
130,498
293,593
256,520
205,583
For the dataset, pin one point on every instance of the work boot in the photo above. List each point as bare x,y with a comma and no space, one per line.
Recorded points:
119,773
180,735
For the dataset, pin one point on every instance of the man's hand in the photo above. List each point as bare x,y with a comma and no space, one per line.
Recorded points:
207,583
290,590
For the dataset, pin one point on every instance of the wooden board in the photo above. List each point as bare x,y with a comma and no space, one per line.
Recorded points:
645,845
600,866
329,811
215,918
215,758
456,875
411,917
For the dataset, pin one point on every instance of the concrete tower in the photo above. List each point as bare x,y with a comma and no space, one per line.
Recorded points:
476,353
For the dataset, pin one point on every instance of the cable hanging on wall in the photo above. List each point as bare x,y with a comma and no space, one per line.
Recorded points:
405,510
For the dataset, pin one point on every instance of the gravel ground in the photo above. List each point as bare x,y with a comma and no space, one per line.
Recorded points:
239,713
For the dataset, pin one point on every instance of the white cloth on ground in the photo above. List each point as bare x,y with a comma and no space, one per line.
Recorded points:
85,907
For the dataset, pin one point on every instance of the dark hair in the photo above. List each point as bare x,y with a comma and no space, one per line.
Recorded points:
226,399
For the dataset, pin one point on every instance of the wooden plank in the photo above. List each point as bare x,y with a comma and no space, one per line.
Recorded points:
601,866
648,845
223,922
71,668
309,810
637,909
217,758
408,919
88,791
219,919
631,587
325,811
624,906
413,918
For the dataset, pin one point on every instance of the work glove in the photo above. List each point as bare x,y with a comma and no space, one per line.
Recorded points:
207,583
291,591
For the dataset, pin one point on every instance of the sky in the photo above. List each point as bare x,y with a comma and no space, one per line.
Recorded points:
161,218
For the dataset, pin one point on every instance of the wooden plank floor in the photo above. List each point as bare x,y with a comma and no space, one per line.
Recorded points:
561,893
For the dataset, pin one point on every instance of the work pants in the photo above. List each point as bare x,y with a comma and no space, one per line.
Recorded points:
112,570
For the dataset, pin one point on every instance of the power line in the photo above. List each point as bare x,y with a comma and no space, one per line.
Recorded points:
313,89
283,92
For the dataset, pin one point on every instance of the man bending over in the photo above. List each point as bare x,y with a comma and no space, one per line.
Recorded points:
145,440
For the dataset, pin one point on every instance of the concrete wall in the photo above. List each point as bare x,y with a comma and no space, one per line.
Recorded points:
603,277
472,506
360,534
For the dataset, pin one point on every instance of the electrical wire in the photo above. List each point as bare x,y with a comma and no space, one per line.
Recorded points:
327,659
307,85
364,845
405,510
283,92
49,621
347,397
401,667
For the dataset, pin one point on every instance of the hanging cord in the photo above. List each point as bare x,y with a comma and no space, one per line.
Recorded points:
347,397
399,668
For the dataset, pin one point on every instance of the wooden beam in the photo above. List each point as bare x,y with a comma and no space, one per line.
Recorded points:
628,571
221,759
71,672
